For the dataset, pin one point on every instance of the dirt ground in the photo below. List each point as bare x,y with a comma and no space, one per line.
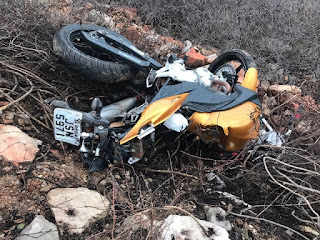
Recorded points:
175,176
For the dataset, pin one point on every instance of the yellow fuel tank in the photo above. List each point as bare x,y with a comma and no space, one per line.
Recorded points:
238,124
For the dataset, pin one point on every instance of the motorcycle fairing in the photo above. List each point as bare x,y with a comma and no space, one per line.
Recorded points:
238,125
236,114
155,114
204,99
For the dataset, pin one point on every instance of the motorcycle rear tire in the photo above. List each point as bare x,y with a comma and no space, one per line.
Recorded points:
85,64
234,55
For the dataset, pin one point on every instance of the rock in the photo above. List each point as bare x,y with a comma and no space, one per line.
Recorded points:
217,216
186,227
21,122
7,121
309,103
278,89
46,188
131,13
239,221
76,208
310,230
136,222
303,126
40,229
10,115
88,6
16,146
290,233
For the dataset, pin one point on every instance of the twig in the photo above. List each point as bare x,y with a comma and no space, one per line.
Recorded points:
171,167
290,190
292,166
13,102
170,172
114,213
271,222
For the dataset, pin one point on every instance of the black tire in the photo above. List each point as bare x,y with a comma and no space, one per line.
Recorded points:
235,55
92,67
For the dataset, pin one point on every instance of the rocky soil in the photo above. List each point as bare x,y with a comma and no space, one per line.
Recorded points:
46,192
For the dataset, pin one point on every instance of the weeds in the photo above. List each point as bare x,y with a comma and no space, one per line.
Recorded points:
280,34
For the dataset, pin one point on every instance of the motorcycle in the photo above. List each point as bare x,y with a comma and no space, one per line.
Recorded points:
214,103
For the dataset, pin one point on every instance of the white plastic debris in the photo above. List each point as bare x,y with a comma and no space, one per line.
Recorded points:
271,137
186,227
176,122
177,71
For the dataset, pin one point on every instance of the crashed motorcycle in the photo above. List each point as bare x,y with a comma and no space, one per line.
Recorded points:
215,104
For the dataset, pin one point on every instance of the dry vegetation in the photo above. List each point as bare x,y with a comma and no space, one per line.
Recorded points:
283,35
280,183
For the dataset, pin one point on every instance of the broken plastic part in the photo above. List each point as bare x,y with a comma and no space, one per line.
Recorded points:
151,78
271,137
177,122
144,133
132,160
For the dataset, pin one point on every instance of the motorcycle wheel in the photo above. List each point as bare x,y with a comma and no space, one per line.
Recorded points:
245,60
68,45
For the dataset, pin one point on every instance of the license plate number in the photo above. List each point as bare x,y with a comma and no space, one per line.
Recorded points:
67,126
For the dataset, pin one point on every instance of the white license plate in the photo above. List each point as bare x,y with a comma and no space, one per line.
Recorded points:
67,126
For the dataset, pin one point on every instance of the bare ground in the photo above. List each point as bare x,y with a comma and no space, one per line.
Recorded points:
175,177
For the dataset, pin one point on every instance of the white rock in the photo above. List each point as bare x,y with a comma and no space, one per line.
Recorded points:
217,216
185,227
40,229
76,208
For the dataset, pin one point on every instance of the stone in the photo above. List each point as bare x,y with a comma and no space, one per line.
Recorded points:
46,188
130,13
7,121
303,126
76,208
10,115
217,216
186,227
137,221
16,146
278,89
239,221
40,229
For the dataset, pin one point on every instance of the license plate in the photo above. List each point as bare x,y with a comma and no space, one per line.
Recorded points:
67,126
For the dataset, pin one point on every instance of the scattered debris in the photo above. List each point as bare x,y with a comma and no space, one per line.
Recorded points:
271,137
186,227
76,208
220,184
41,229
16,146
193,57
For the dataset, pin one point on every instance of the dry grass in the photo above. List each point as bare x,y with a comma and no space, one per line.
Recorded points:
284,38
280,34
